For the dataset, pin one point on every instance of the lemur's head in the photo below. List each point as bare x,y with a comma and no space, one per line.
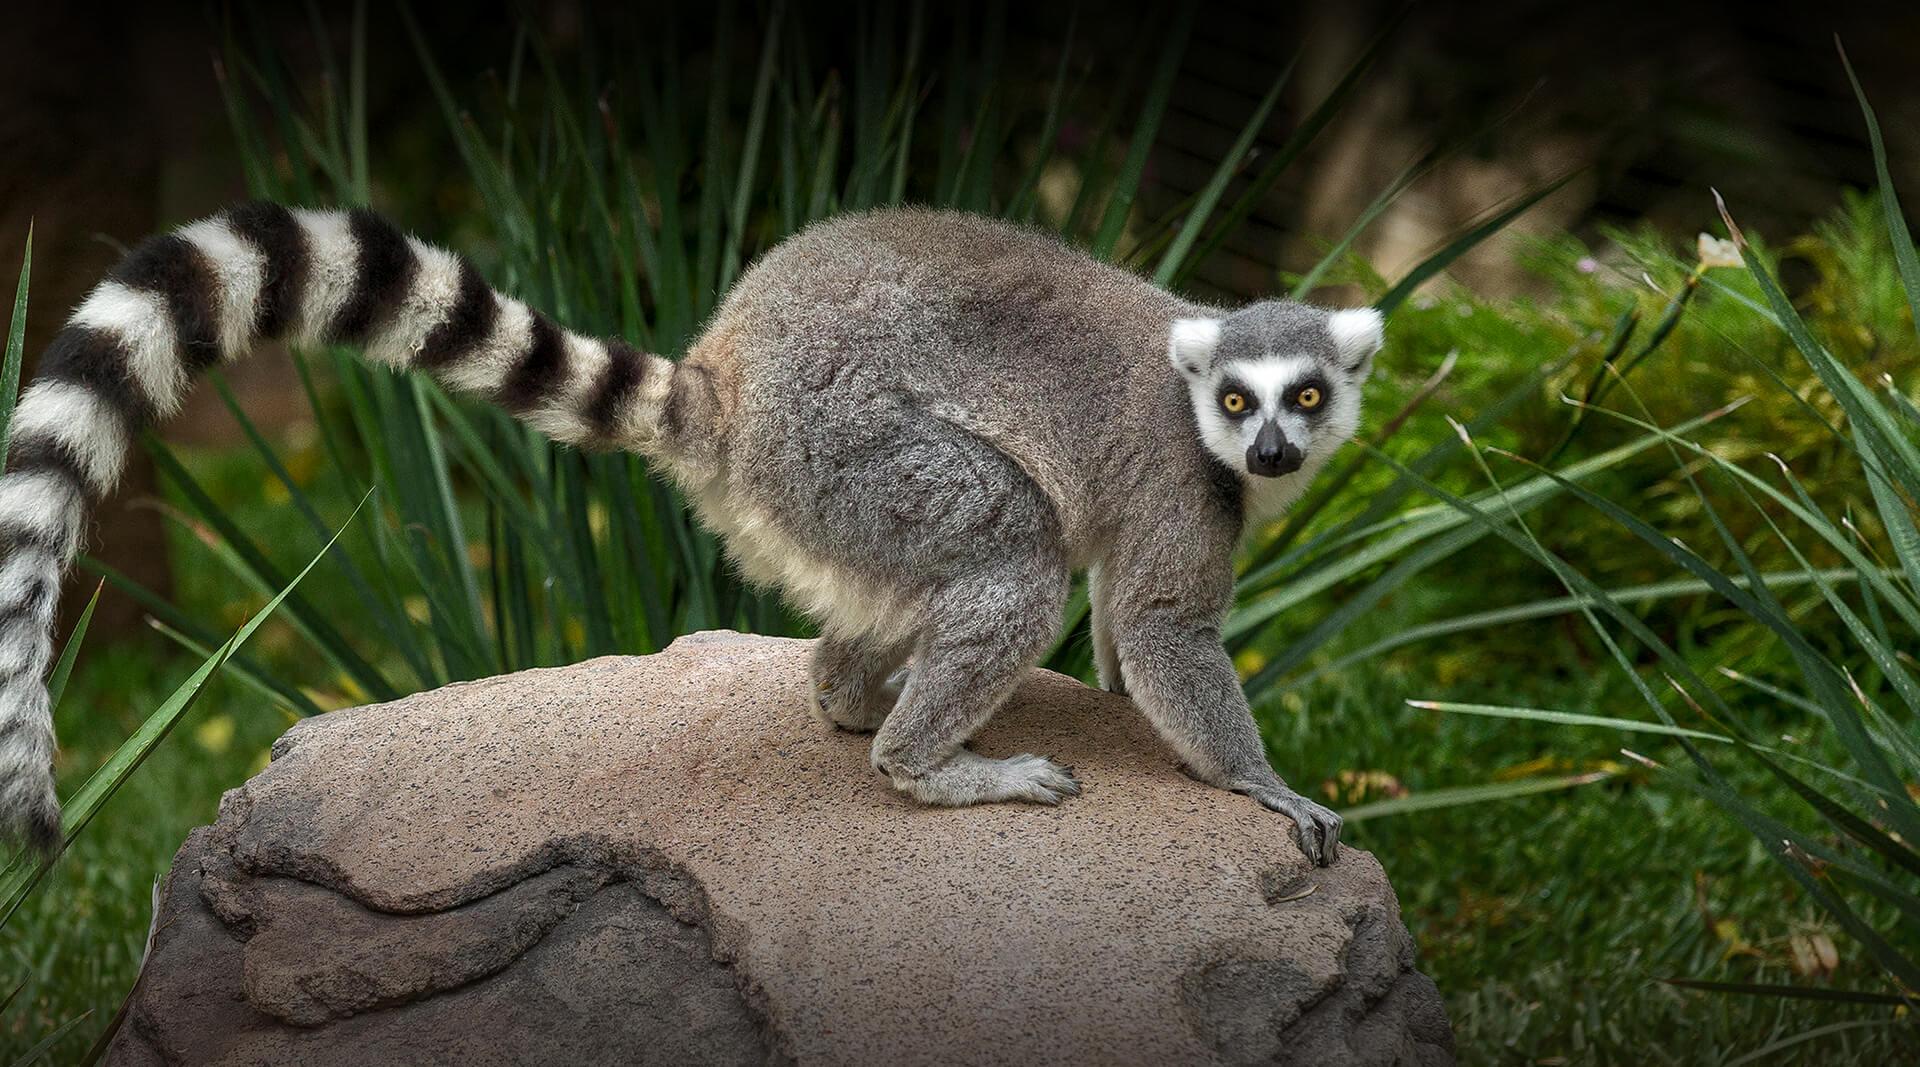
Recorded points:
1276,385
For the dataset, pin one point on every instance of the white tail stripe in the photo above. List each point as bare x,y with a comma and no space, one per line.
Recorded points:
79,419
46,505
240,272
431,298
485,369
636,424
561,412
28,704
143,324
333,268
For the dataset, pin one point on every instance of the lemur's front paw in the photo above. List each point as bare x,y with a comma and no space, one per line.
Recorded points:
1315,827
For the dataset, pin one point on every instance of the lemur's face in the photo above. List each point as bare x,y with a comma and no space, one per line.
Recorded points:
1276,385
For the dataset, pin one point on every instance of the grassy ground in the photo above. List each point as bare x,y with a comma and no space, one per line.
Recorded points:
1547,921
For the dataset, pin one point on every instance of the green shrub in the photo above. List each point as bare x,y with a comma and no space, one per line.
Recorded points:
1836,809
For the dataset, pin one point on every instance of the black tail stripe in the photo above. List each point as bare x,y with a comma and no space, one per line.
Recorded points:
470,323
13,532
274,231
387,267
172,267
97,361
616,387
536,373
44,452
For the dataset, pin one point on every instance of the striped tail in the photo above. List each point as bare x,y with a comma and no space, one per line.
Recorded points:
207,293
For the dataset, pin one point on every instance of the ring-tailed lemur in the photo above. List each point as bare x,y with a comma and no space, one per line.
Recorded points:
918,424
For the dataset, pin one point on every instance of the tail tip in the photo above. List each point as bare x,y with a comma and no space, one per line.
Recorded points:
43,832
35,824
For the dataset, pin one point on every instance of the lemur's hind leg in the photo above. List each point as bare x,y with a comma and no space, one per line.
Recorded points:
984,633
1106,658
854,684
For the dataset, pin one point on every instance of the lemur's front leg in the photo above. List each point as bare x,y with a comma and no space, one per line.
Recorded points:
1167,636
1181,676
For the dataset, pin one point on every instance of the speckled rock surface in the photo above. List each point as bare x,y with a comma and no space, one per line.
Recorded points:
666,859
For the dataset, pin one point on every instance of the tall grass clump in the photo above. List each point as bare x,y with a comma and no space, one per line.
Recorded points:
1835,805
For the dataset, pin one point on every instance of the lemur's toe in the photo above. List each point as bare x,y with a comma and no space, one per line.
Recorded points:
1316,828
1040,780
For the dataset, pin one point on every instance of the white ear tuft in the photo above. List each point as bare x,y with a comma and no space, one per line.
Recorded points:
1191,342
1357,334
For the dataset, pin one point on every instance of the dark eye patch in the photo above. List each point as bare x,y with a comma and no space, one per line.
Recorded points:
1230,387
1316,382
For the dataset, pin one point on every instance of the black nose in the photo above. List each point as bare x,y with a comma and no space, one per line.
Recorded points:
1272,455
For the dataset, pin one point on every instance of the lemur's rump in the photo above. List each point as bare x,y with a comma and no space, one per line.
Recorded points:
918,424
206,294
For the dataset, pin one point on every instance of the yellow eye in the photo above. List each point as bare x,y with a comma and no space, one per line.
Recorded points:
1308,398
1234,403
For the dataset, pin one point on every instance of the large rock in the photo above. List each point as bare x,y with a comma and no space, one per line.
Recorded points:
666,859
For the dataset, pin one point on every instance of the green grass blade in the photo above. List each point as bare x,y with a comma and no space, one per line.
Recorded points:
1802,509
1771,1049
252,564
1546,607
1904,256
1458,796
398,634
1296,143
171,619
1026,196
1795,992
1463,244
1846,821
1566,718
1145,132
63,667
1305,286
245,677
1895,514
1713,784
16,344
1216,186
1851,729
45,1044
743,187
1897,455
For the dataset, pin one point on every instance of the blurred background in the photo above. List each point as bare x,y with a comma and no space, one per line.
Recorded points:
1522,186
112,124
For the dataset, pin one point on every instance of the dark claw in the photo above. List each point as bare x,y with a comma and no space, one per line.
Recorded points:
1316,828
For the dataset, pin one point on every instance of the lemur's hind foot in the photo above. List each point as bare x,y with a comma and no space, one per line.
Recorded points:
853,687
970,778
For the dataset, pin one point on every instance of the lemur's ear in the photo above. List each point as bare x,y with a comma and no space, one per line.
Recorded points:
1190,345
1357,334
